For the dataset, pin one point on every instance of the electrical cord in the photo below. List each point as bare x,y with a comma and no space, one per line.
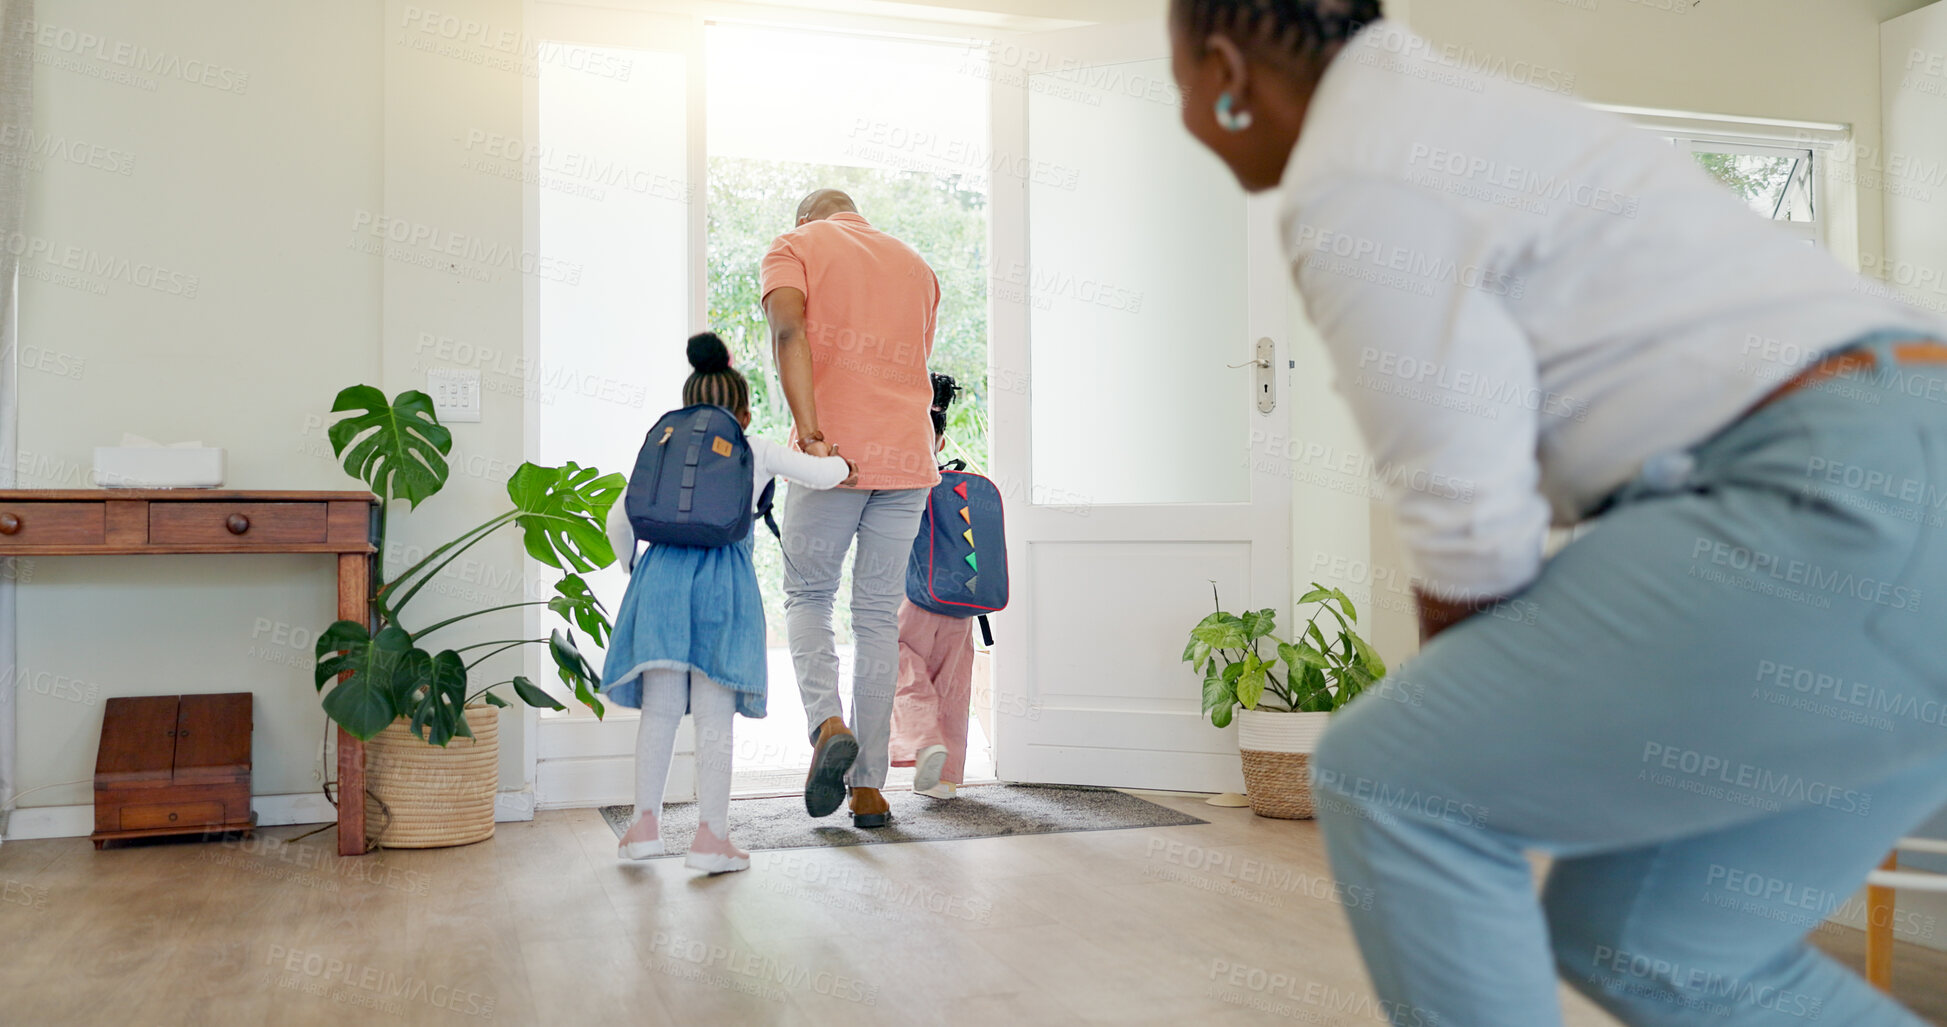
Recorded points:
14,803
325,786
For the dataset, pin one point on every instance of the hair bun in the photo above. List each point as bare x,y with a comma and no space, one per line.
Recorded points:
708,354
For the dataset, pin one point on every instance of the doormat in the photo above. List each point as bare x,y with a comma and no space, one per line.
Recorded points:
979,811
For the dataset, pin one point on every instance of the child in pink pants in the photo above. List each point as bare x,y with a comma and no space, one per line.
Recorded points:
936,654
929,712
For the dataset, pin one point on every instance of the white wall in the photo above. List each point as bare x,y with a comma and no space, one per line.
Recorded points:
243,195
1804,60
268,196
1332,509
1913,97
434,100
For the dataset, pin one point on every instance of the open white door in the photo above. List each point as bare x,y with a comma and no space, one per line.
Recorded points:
612,156
1130,274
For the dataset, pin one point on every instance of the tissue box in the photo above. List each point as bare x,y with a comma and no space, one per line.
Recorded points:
158,467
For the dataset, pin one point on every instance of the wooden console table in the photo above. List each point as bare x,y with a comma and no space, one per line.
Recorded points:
123,522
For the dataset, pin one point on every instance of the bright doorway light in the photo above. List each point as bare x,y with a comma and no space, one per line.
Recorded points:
902,126
825,98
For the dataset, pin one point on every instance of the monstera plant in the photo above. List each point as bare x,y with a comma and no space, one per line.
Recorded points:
426,675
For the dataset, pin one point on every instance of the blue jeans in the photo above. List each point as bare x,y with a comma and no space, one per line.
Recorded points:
818,531
1716,711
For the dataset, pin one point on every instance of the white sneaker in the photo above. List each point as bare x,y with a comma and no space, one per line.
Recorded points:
943,790
927,766
641,848
715,855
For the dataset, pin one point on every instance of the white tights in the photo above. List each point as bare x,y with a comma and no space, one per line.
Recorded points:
713,706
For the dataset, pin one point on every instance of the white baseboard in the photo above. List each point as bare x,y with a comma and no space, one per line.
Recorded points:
586,762
606,781
32,822
514,807
574,736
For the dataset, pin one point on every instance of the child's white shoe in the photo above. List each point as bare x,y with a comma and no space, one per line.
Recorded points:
926,768
943,790
715,855
644,840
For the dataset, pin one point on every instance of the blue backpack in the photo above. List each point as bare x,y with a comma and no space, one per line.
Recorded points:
691,485
959,562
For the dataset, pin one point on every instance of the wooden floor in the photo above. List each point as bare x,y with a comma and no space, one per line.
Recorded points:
542,926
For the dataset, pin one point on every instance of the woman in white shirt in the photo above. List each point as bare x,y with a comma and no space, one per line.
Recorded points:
1716,710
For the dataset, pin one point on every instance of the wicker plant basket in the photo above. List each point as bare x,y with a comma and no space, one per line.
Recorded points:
1277,750
429,797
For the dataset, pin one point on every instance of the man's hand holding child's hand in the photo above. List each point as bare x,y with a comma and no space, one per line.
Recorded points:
851,479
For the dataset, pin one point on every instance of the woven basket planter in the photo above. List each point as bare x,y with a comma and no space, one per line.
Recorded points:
429,797
1277,750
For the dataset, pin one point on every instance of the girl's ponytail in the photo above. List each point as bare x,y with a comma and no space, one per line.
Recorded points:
712,379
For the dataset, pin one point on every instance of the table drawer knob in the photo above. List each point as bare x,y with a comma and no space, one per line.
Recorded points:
172,818
9,523
237,523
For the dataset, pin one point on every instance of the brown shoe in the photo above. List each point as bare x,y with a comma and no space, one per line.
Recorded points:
831,756
869,808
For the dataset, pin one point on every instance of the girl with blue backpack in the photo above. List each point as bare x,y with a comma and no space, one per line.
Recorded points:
689,635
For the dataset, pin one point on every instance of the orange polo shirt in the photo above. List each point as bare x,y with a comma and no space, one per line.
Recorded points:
870,307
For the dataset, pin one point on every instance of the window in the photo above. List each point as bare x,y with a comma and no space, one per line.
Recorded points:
1776,181
1773,164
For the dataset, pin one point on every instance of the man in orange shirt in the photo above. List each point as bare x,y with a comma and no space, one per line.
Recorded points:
852,313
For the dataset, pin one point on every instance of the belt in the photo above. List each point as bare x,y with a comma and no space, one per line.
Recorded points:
1918,351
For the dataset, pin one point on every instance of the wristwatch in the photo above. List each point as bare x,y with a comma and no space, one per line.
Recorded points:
816,436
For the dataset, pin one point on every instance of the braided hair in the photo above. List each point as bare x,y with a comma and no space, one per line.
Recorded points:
713,380
1296,28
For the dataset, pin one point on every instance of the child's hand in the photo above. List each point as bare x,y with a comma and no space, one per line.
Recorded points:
851,479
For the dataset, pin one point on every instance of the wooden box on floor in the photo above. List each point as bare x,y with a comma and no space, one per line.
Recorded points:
173,764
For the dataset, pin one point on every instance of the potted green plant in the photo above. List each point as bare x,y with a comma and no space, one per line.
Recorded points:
431,726
1281,692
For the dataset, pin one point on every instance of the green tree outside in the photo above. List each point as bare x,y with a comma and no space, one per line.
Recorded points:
1759,180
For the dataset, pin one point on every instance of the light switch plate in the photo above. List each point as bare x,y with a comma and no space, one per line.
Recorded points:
456,394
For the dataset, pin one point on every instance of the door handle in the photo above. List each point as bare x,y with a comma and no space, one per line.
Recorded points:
1265,387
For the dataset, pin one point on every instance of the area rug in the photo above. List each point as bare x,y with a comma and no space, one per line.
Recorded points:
979,811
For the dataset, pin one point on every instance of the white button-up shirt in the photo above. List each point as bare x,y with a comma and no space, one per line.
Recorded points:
1526,299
